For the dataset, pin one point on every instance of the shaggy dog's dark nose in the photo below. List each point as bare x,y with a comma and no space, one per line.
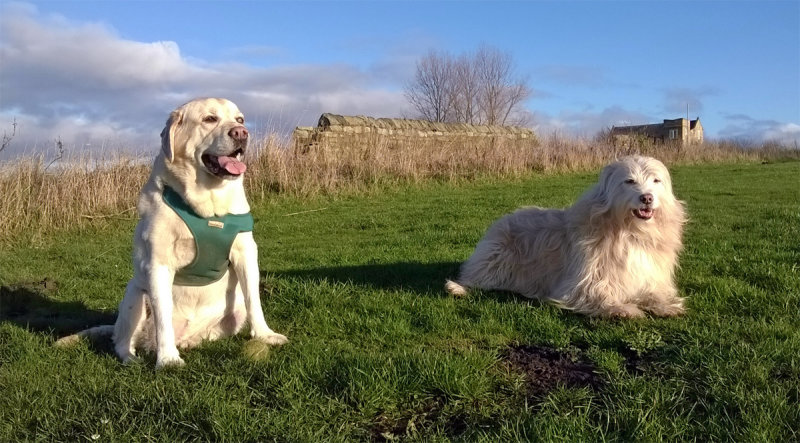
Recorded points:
239,133
646,198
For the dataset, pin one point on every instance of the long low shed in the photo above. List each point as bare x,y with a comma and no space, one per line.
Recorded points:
331,126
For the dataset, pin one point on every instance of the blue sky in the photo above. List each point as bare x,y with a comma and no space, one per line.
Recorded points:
107,73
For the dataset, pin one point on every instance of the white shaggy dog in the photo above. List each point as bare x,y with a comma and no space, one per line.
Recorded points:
195,263
612,254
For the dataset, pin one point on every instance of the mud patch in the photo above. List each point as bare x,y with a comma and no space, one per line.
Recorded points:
636,363
546,369
417,421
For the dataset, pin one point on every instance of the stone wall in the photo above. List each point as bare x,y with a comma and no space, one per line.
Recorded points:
340,131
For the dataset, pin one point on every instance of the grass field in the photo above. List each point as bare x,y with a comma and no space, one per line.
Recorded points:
378,351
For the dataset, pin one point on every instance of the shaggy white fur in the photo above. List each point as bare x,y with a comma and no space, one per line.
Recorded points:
612,254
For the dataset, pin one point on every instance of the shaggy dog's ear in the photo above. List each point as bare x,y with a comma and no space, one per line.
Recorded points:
600,194
168,133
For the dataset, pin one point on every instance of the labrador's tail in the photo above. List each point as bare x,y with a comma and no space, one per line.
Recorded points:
95,332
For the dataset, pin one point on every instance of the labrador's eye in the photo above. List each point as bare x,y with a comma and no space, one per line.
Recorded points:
240,120
630,181
210,119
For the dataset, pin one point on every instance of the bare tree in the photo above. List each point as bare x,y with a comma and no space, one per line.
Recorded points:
501,95
477,88
466,90
431,92
8,137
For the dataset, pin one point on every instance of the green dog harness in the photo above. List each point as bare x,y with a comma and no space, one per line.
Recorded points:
213,238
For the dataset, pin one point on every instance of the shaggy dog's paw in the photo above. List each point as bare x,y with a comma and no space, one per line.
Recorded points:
455,289
272,338
67,341
672,309
623,311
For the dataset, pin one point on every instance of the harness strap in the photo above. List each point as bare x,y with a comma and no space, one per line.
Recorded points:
213,238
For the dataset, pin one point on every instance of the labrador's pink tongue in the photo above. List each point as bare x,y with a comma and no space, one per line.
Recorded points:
232,165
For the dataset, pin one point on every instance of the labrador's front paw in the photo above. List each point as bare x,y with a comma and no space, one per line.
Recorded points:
169,360
272,338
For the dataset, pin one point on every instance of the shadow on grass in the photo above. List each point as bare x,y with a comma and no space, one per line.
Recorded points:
30,306
423,278
412,276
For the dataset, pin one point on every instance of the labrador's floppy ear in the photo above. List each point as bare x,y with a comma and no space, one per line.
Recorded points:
168,133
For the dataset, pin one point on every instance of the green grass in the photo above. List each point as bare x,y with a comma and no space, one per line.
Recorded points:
378,350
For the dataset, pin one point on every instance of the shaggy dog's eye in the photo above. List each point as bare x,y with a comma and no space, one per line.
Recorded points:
656,180
240,120
210,119
630,181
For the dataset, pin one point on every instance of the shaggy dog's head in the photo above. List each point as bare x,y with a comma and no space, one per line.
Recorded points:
635,190
210,133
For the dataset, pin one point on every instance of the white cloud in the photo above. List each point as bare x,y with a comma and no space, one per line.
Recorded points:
744,127
84,84
786,133
586,122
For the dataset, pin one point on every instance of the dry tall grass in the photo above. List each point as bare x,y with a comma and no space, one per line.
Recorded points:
37,199
372,159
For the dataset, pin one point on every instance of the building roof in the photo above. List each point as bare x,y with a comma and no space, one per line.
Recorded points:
655,129
328,120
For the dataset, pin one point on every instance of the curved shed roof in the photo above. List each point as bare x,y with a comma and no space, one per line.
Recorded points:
328,120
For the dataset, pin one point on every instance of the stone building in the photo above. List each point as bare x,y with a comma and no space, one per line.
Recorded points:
680,131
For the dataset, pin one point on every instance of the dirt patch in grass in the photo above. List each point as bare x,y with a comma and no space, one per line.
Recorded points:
641,364
546,369
417,421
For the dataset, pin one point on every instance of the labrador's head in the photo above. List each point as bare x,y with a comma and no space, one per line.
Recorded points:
208,133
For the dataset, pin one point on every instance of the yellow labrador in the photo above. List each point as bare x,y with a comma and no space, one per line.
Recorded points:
195,261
